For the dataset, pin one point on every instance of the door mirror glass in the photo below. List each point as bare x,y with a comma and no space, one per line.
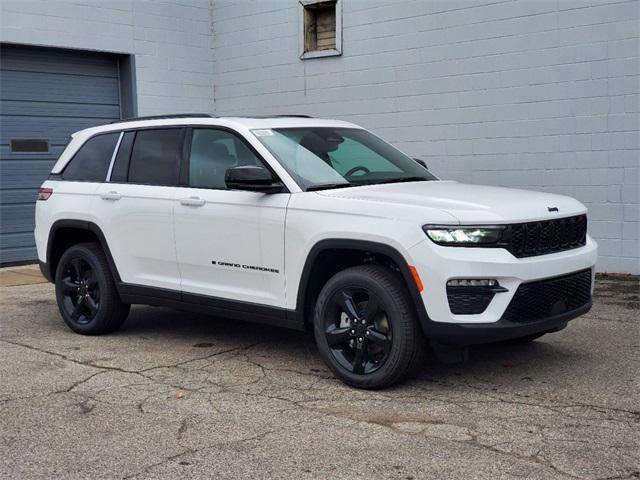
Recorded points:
253,179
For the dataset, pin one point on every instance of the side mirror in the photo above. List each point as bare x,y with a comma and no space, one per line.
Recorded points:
252,179
421,162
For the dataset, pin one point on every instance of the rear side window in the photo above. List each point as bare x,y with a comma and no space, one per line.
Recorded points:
91,162
155,157
121,164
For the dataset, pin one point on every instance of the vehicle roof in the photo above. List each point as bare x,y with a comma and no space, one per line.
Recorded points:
231,122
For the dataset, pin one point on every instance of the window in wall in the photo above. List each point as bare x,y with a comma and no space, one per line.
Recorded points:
91,162
321,34
29,145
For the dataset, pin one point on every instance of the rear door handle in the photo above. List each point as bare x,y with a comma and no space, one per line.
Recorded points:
113,196
192,201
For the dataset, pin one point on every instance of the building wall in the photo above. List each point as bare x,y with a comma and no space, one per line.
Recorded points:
534,94
171,42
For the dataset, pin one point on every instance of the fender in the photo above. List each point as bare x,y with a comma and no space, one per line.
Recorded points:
362,245
80,225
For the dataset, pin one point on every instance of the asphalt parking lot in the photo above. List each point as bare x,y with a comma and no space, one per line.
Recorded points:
179,395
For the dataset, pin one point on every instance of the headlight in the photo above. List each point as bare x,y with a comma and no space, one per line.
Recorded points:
463,235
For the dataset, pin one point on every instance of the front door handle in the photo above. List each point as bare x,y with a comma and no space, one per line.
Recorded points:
113,196
192,201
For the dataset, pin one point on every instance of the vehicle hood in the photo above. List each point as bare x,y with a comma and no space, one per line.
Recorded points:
467,203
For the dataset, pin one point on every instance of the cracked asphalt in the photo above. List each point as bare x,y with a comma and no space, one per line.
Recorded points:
180,395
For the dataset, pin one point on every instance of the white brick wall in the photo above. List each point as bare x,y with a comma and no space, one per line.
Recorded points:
171,41
536,94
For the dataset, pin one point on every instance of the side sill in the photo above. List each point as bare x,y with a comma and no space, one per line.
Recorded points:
218,307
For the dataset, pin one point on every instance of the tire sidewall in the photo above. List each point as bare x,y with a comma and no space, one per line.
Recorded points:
384,375
96,324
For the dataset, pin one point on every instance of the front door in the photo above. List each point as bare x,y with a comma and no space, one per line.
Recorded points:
230,244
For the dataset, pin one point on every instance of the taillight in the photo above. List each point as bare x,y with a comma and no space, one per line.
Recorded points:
44,193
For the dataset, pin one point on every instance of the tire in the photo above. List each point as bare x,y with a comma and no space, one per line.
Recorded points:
383,350
86,292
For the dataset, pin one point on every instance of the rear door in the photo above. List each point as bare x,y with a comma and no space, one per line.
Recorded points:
135,207
230,243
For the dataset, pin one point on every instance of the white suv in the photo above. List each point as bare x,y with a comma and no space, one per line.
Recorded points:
305,223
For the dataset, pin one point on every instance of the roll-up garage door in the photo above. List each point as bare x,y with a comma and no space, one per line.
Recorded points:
45,95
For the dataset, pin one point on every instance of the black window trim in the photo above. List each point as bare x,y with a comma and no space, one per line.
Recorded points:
184,178
183,172
113,157
124,133
60,175
180,160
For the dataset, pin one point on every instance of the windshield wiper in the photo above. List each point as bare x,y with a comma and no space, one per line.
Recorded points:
402,179
328,186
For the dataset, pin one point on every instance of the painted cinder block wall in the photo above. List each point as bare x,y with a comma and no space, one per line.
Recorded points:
534,94
170,40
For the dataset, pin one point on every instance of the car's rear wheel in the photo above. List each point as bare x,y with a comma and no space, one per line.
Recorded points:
366,329
86,293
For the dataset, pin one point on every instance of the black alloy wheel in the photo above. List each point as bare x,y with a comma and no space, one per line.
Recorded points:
357,330
81,291
366,327
86,291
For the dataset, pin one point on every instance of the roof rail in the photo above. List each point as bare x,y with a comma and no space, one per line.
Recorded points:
161,117
293,115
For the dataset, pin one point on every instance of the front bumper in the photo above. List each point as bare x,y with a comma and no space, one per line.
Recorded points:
479,333
436,265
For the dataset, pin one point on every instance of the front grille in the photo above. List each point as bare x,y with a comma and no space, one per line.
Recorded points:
547,236
546,298
465,301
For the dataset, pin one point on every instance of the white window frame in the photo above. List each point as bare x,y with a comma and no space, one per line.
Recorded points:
319,53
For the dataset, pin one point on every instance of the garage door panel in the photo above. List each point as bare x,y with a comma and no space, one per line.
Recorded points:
55,130
50,109
15,255
59,88
54,152
22,195
45,94
17,218
28,59
21,174
16,240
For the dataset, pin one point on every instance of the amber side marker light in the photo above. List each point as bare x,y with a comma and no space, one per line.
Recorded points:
416,278
44,193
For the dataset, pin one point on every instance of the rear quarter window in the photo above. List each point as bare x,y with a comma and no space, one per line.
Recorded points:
91,161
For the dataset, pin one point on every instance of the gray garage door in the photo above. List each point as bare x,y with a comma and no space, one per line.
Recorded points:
45,95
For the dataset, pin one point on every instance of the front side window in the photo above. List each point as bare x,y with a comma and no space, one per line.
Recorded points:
213,152
323,157
91,162
155,156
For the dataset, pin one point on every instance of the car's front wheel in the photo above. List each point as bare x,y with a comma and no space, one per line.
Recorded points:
366,329
86,293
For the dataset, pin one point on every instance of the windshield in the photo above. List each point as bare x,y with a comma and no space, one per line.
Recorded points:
323,157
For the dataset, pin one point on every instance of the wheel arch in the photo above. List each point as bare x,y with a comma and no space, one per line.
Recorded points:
346,252
67,232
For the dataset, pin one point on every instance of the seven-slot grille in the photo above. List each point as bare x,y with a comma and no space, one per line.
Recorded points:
546,298
546,236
